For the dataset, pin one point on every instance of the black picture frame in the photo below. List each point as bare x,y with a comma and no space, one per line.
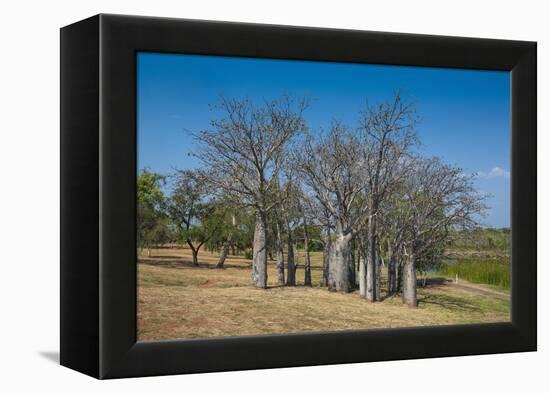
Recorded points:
98,184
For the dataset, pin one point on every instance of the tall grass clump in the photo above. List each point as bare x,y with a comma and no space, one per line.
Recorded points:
479,271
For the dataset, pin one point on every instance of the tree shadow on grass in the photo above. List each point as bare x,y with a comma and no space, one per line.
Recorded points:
182,263
171,262
435,281
449,302
298,285
232,266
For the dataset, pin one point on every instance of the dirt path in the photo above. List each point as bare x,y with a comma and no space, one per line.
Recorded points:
480,290
468,287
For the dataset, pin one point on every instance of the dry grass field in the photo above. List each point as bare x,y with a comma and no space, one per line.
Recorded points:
177,300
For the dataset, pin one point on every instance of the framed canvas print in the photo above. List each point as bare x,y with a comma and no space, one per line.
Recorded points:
239,196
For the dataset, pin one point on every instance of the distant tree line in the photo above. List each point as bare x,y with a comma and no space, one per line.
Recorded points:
362,194
481,239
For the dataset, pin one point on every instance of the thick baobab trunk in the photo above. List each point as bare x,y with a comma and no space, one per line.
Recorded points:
339,277
259,252
372,292
372,261
409,282
326,258
280,257
223,255
307,262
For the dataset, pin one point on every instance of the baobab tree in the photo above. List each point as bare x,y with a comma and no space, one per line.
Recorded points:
386,134
315,216
439,197
327,227
283,220
289,206
276,225
334,175
304,207
243,152
392,228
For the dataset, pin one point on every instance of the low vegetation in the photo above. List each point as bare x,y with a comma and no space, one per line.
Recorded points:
481,271
480,256
495,240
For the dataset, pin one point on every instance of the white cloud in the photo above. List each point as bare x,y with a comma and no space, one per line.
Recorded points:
495,172
498,172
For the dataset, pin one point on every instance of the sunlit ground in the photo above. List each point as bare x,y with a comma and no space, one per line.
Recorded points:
177,301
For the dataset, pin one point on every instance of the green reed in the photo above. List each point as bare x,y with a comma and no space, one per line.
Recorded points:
481,271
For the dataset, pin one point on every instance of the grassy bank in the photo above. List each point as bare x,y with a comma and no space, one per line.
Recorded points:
492,272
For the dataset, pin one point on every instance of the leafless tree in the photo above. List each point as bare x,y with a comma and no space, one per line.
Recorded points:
361,185
386,134
309,211
437,197
243,152
334,175
392,229
291,213
317,215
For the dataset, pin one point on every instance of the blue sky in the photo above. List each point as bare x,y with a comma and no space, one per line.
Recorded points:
464,114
